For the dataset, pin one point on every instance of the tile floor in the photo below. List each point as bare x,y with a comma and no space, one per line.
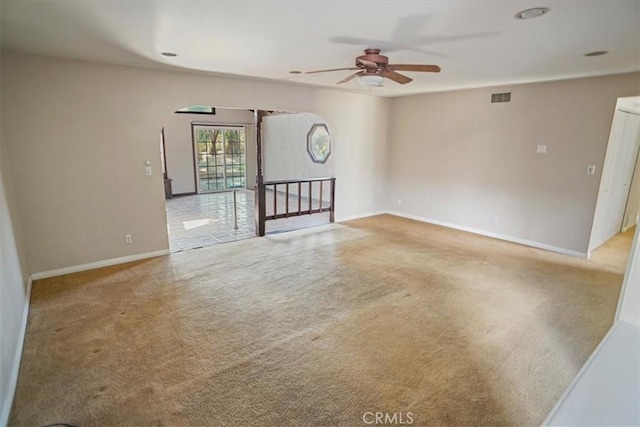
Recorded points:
207,219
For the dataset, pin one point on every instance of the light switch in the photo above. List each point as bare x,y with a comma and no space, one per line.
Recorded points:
591,169
147,170
542,149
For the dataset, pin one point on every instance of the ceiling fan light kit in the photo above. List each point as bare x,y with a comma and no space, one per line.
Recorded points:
371,80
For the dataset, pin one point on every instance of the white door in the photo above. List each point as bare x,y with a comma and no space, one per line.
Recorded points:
616,176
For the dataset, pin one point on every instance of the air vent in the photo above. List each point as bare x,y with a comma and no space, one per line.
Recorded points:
501,97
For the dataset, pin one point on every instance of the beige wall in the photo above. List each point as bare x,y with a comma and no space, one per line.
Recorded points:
458,159
359,131
13,285
79,134
179,145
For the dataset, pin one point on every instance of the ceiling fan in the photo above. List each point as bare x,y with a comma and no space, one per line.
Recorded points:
374,68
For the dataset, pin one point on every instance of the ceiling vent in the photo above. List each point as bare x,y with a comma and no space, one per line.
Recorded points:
501,97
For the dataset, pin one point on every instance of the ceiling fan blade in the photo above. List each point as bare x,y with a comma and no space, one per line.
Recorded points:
332,69
414,67
351,77
396,77
418,40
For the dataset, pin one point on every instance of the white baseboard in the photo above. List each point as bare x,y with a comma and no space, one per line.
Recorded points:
493,235
15,368
364,215
98,264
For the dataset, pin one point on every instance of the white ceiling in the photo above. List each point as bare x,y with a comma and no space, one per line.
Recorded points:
476,42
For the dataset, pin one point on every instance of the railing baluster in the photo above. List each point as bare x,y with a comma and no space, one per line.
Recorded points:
275,200
333,201
299,198
310,198
321,196
287,201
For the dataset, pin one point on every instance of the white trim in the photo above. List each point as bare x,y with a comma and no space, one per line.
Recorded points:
98,264
577,378
631,266
15,368
493,235
363,215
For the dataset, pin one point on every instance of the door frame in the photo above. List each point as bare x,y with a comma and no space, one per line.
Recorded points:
623,106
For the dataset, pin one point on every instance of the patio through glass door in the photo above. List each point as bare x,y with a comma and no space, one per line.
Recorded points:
220,157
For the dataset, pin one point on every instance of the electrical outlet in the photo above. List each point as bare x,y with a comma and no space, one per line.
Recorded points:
128,239
147,170
591,169
541,149
496,219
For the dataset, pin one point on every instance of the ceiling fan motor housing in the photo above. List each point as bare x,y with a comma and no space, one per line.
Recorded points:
371,55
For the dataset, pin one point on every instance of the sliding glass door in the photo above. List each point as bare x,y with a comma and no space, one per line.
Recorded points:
220,157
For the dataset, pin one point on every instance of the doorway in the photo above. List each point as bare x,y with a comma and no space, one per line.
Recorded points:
618,204
208,156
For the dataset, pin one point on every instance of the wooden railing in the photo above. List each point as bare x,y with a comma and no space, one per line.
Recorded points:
287,191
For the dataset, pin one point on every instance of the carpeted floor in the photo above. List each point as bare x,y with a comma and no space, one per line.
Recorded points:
316,328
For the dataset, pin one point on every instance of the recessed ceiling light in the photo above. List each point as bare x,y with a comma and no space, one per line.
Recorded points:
532,13
295,72
169,54
596,53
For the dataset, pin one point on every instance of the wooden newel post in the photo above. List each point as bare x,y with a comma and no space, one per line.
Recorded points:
259,191
332,213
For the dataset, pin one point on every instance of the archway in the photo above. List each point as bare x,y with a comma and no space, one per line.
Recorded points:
210,161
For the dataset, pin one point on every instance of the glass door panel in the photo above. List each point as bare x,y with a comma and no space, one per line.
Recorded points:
220,157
